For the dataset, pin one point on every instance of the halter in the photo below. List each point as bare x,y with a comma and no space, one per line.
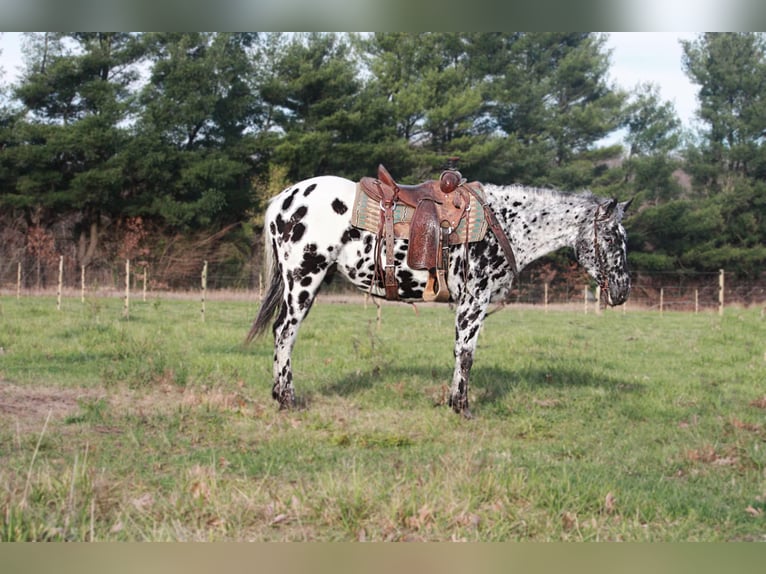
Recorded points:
603,283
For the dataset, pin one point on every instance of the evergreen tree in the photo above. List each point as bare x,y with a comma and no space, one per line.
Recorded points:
653,136
77,91
312,94
730,70
190,157
553,102
729,163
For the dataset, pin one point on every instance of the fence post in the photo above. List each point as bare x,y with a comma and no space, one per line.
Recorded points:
143,291
585,299
545,291
662,299
720,292
696,301
18,281
82,283
204,289
61,282
598,300
126,310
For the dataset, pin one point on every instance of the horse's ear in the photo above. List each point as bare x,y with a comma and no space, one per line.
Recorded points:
608,208
613,208
624,206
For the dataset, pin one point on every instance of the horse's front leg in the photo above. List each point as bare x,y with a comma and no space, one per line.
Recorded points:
471,310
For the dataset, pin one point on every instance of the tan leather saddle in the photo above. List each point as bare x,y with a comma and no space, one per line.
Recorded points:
432,215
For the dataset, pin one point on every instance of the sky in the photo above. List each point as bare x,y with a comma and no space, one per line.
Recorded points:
636,57
654,57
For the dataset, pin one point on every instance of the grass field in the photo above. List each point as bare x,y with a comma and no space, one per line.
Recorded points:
161,427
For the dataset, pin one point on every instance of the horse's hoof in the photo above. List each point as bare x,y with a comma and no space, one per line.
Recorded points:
460,406
286,402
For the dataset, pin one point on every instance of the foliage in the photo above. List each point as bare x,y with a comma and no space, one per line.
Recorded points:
730,69
189,131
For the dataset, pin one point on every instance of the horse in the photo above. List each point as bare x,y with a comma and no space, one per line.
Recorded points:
308,230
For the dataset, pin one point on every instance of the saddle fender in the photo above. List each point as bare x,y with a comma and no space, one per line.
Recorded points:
425,236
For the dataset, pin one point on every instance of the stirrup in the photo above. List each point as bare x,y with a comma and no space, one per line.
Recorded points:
438,293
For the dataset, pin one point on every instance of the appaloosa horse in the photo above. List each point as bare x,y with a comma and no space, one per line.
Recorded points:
308,230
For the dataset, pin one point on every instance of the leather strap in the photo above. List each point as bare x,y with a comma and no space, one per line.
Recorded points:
496,228
388,197
392,286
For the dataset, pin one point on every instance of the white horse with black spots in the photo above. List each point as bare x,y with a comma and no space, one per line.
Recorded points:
308,229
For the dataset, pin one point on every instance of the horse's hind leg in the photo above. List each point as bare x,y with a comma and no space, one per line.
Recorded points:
301,286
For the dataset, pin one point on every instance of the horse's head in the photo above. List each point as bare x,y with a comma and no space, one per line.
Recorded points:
602,249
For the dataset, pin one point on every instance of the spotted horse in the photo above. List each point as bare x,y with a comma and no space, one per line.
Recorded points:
309,230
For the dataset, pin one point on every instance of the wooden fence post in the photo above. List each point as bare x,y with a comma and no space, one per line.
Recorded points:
61,283
662,299
696,301
143,290
18,281
598,300
82,283
204,289
545,294
126,311
720,292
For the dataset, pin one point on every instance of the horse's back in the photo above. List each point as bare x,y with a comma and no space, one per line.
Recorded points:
321,196
314,190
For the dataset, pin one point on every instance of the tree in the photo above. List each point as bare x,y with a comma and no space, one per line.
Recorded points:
653,126
312,94
77,90
653,135
190,158
429,97
730,69
729,163
552,101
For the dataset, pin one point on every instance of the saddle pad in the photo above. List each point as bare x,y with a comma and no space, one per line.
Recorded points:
367,212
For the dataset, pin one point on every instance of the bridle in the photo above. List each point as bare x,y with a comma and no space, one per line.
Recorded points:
601,268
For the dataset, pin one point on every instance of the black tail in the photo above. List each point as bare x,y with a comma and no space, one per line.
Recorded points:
271,301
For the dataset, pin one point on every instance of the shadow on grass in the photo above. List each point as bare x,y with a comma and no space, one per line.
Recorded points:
488,385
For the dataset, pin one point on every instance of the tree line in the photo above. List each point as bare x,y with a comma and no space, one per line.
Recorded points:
136,144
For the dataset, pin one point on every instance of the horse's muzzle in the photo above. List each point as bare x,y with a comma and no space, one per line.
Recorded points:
618,292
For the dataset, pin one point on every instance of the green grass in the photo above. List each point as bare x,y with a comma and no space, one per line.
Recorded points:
614,427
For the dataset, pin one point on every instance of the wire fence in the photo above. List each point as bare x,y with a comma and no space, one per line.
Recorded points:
667,291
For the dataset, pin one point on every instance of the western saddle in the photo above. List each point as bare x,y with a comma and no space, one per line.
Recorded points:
432,215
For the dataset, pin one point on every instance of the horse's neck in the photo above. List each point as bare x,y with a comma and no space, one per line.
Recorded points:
537,221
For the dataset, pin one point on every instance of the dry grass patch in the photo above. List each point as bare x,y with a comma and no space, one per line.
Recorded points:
25,409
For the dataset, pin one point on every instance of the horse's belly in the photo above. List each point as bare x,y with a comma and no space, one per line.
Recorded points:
356,262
